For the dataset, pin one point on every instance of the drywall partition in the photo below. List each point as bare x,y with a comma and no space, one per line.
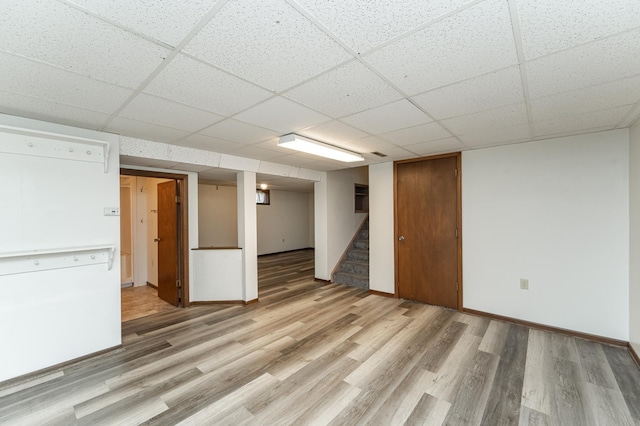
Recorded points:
321,231
283,225
381,228
342,221
247,234
554,212
61,290
218,216
634,235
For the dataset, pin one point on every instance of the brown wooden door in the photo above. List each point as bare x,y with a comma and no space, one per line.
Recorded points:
426,220
168,244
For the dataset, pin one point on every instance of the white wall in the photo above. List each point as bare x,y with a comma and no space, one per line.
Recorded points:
284,224
218,216
381,228
634,243
321,230
342,221
555,212
248,234
50,316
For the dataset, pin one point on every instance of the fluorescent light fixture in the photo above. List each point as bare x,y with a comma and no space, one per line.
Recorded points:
322,149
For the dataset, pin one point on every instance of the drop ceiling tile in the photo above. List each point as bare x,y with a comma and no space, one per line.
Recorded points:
238,131
472,42
209,143
394,153
497,136
61,35
364,25
550,25
488,91
169,114
35,79
387,118
333,132
40,109
369,144
142,130
282,115
194,83
417,134
608,118
606,60
258,153
435,147
168,21
588,99
507,116
345,90
279,47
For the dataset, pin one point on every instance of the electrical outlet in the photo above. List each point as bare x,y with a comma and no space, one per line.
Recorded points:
524,284
112,211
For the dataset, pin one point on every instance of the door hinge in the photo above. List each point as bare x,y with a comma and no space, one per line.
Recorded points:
456,232
177,199
178,283
456,172
457,286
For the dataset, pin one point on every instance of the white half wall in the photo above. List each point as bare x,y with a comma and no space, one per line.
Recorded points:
555,212
634,236
49,315
218,216
284,224
381,228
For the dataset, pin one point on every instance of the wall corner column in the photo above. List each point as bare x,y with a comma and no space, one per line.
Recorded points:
321,229
248,234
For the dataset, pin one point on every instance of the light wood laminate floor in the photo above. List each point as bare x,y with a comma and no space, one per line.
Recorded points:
318,353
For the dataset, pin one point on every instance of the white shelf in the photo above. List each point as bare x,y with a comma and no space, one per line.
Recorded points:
43,260
54,145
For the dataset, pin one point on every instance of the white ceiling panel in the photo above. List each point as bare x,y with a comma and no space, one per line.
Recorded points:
472,42
435,147
267,42
35,79
589,99
369,144
142,130
506,116
551,25
258,153
387,118
333,132
166,113
364,25
497,136
416,134
282,115
168,21
488,91
77,42
191,82
599,62
238,131
39,109
608,118
209,143
345,90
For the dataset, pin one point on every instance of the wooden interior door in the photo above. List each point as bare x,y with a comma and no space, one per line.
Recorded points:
427,234
168,244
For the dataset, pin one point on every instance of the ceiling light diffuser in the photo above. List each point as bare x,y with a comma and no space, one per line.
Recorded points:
300,143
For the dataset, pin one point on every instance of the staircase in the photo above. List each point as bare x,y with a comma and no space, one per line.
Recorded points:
354,267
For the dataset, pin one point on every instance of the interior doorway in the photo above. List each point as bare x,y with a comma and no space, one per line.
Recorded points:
159,230
428,230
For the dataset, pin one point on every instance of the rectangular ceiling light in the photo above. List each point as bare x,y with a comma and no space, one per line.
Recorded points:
310,146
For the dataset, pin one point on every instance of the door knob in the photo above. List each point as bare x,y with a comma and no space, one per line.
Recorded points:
156,240
401,238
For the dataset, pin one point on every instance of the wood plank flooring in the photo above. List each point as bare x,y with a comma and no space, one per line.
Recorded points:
318,353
